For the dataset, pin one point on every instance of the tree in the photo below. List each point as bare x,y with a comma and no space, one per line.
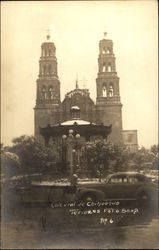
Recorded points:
121,156
105,156
143,158
10,164
34,156
155,149
96,154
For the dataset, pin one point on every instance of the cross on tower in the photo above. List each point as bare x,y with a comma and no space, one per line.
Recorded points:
105,33
84,82
77,81
48,34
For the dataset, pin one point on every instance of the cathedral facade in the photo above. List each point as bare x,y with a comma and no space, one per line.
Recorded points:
107,110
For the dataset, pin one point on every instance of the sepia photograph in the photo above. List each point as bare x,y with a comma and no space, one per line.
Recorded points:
79,125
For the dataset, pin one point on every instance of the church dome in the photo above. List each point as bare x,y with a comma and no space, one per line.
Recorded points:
75,108
75,112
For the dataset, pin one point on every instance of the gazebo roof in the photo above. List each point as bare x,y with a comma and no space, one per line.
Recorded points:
84,128
75,121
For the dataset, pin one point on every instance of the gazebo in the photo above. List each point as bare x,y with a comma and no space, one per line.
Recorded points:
71,131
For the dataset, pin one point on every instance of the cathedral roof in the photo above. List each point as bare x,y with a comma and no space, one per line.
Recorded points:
83,92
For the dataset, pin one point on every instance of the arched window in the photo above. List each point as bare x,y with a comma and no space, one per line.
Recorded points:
104,68
104,50
44,69
111,90
50,92
49,69
44,92
45,52
109,67
41,70
104,90
108,50
49,52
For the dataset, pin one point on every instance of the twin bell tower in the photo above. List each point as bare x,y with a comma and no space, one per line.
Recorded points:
51,110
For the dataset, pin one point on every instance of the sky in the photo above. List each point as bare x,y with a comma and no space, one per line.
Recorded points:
76,28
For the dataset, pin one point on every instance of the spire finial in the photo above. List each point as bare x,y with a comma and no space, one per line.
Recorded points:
84,82
76,81
105,33
48,34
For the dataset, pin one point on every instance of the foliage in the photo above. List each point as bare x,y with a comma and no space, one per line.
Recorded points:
101,154
34,156
27,155
121,156
10,163
109,157
155,149
144,158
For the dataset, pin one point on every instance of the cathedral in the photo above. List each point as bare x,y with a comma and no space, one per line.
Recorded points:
51,110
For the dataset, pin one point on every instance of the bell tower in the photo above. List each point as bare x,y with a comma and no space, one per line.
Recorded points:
48,86
108,94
